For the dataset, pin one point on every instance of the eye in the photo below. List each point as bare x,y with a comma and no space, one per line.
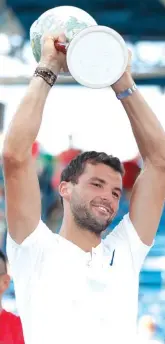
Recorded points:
115,194
97,185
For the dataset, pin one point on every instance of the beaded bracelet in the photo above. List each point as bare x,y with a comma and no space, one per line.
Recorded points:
46,74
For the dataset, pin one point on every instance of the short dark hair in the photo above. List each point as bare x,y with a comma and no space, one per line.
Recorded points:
76,167
4,260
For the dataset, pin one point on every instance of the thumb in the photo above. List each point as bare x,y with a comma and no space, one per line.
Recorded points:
47,39
61,38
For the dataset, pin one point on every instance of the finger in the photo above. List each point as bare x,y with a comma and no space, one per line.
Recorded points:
51,38
129,55
129,52
47,38
65,67
62,38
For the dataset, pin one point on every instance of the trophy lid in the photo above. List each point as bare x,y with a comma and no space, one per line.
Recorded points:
97,57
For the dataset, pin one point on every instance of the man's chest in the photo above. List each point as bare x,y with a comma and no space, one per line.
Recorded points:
77,291
78,287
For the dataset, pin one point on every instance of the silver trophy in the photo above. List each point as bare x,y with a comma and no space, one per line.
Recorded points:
96,55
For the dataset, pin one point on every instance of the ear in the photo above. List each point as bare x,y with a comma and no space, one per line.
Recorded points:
4,284
65,190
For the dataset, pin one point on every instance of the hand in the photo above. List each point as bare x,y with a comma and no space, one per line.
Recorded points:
50,56
126,79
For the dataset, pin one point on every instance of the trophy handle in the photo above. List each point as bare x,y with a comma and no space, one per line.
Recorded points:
62,47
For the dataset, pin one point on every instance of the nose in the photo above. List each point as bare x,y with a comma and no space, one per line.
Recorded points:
107,196
107,200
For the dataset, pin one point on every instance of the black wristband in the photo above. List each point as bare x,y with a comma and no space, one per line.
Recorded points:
46,74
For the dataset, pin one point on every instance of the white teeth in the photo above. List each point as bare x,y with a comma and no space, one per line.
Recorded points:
102,208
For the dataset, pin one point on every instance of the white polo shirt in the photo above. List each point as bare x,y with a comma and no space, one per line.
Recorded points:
65,295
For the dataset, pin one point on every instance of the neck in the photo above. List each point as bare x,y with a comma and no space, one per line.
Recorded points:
79,236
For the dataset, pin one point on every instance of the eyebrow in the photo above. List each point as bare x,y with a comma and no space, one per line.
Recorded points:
102,181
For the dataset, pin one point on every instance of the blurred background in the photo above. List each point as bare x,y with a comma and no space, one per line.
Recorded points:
78,119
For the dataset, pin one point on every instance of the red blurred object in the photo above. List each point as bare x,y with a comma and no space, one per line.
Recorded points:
56,179
63,160
66,156
132,170
35,149
11,328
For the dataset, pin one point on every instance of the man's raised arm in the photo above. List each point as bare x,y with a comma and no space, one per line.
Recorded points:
23,204
149,190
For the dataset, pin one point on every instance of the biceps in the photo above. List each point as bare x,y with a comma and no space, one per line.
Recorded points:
22,199
147,202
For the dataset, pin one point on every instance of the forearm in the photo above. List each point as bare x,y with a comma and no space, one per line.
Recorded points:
26,122
148,132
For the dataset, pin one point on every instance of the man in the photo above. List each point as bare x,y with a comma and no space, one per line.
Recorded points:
10,324
74,287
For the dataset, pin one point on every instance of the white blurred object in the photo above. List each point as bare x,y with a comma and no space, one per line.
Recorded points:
154,263
9,304
163,2
149,52
14,68
4,44
9,24
147,324
146,330
95,118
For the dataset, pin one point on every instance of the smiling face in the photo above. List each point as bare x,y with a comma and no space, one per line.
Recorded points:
94,200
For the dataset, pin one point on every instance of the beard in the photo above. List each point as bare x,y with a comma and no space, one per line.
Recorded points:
85,218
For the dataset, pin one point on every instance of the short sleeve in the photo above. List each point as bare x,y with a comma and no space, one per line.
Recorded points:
125,235
30,251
